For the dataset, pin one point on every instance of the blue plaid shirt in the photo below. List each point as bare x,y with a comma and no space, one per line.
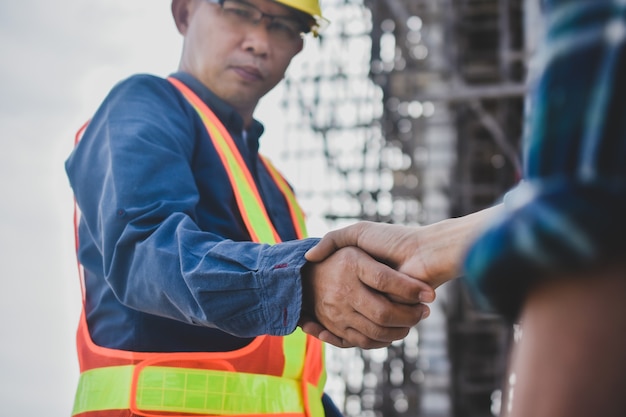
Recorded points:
569,212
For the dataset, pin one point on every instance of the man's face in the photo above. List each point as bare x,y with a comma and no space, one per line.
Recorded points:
239,63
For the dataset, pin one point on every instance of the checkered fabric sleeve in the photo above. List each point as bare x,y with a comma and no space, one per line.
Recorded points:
569,212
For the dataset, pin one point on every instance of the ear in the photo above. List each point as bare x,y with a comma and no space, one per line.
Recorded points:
181,11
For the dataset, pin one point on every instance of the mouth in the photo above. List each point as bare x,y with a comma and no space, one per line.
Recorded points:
248,72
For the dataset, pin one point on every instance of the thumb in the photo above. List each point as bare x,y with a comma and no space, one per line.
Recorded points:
322,250
333,241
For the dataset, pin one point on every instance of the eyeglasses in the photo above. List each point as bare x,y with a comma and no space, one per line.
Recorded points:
284,29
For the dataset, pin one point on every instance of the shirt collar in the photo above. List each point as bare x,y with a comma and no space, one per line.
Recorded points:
224,111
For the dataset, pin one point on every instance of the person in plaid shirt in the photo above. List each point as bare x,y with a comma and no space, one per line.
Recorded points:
549,256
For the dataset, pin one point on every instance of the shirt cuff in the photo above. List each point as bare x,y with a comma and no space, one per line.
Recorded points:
281,284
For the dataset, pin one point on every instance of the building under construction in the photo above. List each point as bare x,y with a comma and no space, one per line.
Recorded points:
411,111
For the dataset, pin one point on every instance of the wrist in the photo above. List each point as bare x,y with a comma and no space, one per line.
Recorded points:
444,244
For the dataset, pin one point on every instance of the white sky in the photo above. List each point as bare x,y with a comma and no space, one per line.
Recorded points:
59,59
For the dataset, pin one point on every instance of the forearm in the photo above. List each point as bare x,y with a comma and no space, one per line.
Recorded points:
432,254
242,288
570,360
442,246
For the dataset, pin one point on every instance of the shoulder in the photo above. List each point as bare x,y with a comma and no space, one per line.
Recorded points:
146,99
144,108
144,89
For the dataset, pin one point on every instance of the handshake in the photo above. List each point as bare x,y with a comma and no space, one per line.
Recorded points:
366,285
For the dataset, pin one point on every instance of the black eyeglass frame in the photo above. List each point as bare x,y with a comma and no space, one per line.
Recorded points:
306,23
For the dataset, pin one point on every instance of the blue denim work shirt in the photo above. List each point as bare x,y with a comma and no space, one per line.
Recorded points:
168,261
570,210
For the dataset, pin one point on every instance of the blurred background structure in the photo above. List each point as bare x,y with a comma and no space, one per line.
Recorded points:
411,111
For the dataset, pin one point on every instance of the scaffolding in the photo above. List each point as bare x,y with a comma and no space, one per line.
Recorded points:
411,111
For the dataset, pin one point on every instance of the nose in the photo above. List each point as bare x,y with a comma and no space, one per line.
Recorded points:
257,39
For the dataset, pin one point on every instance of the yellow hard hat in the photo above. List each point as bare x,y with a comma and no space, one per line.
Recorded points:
311,8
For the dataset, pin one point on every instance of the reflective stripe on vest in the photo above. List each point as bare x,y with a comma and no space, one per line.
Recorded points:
251,206
147,388
294,207
193,391
133,387
247,195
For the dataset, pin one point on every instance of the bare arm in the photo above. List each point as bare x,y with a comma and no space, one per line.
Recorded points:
571,361
433,253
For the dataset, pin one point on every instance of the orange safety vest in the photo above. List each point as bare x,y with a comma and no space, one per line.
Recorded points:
272,376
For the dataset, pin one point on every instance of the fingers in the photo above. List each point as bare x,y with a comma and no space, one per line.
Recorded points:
385,320
352,337
370,320
332,241
350,299
327,337
312,327
397,286
393,244
317,330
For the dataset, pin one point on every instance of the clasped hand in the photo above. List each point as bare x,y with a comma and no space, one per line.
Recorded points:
351,299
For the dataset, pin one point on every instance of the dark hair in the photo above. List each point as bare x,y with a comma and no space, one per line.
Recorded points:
306,21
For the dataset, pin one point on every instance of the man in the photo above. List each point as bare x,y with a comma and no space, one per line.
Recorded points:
551,256
192,244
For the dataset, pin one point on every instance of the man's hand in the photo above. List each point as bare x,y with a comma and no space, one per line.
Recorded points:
350,299
433,253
